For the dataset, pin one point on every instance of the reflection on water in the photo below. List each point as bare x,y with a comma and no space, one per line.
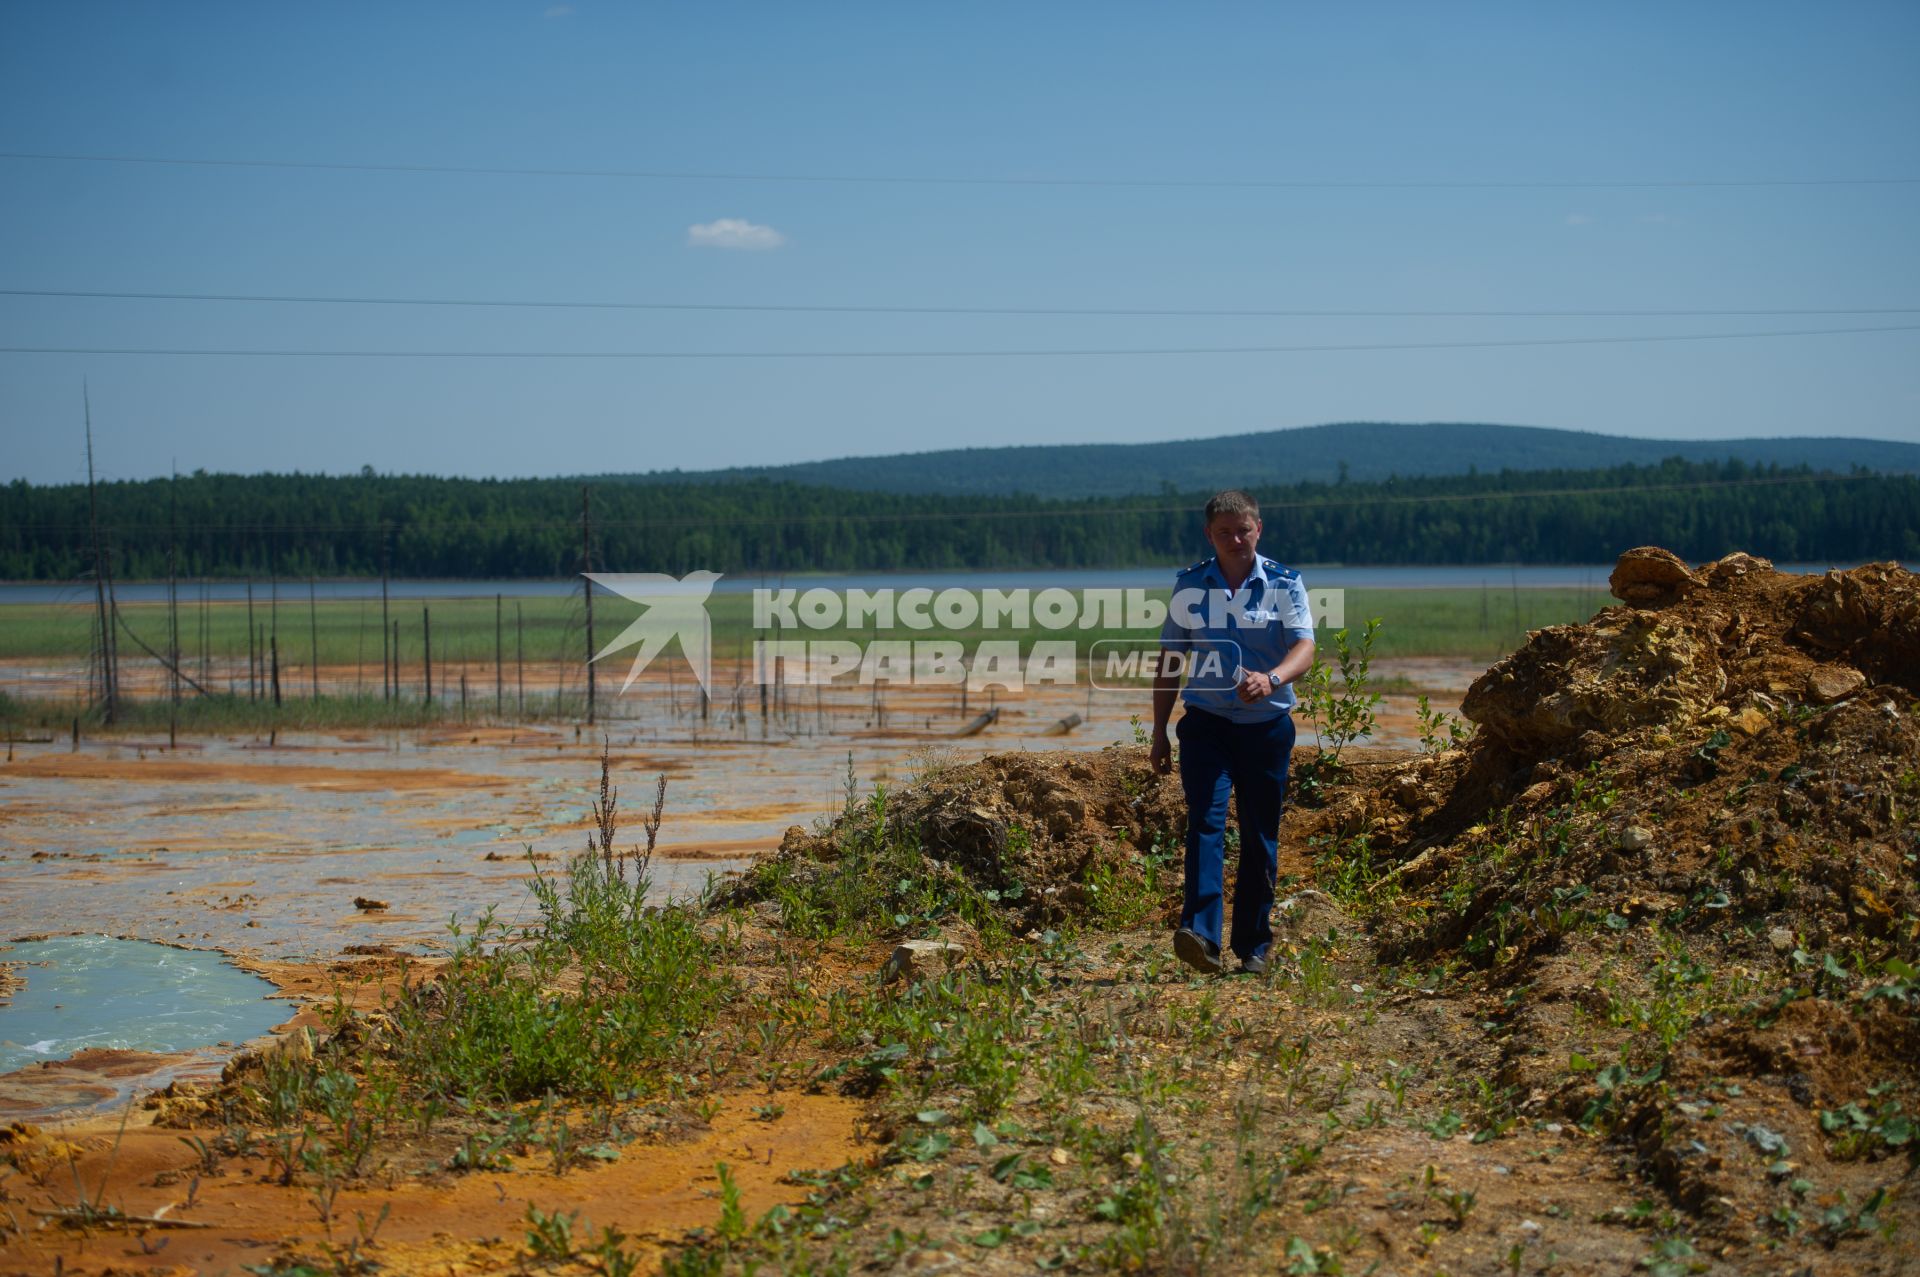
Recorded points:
92,991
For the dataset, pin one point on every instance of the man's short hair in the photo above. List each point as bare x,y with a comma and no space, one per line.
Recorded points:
1232,501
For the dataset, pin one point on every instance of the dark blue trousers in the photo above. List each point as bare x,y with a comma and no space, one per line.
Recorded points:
1217,753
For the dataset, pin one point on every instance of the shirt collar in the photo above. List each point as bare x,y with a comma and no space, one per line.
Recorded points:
1218,579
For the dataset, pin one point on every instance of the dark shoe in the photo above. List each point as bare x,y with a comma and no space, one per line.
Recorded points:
1256,965
1192,949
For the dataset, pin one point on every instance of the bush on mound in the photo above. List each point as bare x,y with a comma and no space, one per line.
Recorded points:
1018,841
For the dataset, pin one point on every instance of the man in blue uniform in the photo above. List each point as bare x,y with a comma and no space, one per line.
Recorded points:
1240,625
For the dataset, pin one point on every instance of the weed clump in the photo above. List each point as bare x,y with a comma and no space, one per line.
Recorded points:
1014,842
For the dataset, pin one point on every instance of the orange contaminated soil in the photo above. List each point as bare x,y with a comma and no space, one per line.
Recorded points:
213,1221
95,1078
192,772
520,735
445,1223
364,980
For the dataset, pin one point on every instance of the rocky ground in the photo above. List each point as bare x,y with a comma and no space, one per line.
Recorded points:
1624,982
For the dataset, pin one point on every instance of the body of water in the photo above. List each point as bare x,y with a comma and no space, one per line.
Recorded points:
1320,576
95,991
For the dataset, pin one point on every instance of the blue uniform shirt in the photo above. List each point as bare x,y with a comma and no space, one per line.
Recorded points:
1223,632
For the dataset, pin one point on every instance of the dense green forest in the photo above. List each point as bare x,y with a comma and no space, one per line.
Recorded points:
417,526
1362,451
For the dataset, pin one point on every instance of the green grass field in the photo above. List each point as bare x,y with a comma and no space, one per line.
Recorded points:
549,634
1434,622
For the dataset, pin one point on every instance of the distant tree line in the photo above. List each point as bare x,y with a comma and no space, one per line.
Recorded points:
298,525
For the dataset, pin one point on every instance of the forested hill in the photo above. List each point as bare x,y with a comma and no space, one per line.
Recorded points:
301,525
1367,451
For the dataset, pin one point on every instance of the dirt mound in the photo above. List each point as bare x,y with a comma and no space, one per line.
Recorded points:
1041,832
1735,636
1756,713
1043,819
1682,846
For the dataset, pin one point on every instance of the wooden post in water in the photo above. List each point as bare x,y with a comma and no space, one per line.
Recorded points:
499,661
273,647
396,660
113,635
313,640
253,686
520,653
389,661
173,612
426,651
586,583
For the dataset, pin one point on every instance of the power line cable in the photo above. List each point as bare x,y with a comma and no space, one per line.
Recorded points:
1068,311
875,179
1322,348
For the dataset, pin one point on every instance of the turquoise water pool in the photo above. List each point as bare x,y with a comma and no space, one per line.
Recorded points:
95,991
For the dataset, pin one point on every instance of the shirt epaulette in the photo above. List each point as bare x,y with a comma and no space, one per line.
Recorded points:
1197,567
1284,573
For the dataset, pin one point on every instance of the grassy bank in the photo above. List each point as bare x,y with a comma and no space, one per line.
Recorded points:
22,716
1467,623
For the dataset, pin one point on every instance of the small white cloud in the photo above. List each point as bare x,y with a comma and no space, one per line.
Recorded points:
559,11
1579,219
734,232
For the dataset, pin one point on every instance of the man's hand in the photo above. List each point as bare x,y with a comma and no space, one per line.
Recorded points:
1255,685
1160,753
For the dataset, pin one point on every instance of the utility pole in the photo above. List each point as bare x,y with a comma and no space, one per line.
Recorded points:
173,610
99,567
389,662
586,581
426,650
499,660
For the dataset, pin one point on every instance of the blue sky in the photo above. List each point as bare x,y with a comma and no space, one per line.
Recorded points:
1411,93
